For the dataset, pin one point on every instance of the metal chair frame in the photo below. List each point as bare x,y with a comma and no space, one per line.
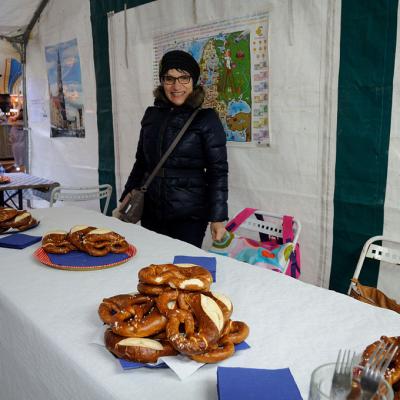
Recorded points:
376,252
64,193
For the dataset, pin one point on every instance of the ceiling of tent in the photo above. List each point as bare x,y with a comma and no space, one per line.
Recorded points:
15,16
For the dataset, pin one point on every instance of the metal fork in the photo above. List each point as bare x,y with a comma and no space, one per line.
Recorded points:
341,381
375,368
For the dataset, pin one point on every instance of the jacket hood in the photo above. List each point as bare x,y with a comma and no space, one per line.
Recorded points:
194,100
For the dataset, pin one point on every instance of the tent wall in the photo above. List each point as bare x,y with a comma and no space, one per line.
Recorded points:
308,46
289,176
71,161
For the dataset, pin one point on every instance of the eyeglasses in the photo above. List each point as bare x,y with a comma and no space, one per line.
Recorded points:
170,80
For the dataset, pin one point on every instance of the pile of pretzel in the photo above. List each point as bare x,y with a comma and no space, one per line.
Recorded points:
11,218
89,239
392,373
5,179
174,313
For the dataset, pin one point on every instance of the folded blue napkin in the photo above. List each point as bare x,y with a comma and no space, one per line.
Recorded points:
133,365
19,241
209,263
256,384
81,259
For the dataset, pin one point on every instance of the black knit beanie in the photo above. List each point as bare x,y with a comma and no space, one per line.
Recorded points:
178,59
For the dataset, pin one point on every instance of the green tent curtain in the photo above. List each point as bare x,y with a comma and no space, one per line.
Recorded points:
367,55
98,16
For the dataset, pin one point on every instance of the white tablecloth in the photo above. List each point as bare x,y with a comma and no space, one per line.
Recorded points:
48,318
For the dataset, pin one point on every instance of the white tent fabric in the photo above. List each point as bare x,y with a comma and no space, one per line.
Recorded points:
389,274
15,16
72,161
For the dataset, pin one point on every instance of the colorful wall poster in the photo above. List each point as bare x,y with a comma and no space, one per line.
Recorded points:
233,59
65,90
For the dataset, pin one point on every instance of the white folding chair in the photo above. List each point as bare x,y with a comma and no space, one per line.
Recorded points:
64,193
270,225
377,252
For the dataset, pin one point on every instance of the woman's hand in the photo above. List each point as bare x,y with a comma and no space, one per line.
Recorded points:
217,231
125,201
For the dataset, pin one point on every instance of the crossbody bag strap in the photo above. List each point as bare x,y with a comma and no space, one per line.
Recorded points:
169,151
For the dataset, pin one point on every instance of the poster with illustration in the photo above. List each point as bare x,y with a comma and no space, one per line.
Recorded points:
65,90
233,59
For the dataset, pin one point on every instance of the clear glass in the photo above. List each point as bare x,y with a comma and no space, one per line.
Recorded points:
321,381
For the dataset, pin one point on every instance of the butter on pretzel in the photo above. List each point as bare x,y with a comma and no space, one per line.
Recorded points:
56,242
185,277
141,350
201,332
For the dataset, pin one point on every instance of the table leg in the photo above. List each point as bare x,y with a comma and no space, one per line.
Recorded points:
20,200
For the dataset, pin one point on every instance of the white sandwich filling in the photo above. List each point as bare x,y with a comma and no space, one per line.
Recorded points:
141,342
210,307
55,233
22,216
222,298
191,282
186,265
78,228
99,231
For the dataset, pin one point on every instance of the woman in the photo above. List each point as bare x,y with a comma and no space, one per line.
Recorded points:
192,189
17,139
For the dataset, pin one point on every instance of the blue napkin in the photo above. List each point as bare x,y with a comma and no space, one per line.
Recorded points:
19,241
81,259
256,384
209,263
133,365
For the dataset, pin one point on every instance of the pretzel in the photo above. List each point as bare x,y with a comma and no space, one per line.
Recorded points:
98,242
392,373
238,331
223,302
132,315
141,350
189,277
167,301
222,351
7,214
77,234
209,324
151,290
118,243
27,224
56,242
123,306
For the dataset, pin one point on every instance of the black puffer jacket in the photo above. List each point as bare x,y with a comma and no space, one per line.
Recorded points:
195,181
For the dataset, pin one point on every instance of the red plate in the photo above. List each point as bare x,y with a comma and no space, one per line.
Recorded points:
43,257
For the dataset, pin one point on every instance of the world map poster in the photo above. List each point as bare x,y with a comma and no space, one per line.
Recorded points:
233,59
